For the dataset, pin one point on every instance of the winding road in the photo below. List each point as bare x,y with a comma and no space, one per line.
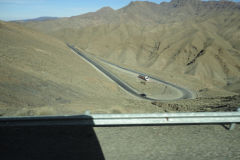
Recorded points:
186,94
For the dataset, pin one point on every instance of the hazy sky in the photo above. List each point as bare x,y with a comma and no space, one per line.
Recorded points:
25,9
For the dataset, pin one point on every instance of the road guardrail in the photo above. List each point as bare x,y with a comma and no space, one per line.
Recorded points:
128,119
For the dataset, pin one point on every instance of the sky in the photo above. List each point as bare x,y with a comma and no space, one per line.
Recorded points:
27,9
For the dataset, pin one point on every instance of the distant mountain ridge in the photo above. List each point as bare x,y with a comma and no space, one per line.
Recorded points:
37,19
138,12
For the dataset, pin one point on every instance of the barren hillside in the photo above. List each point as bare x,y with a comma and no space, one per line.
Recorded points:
190,43
41,76
186,37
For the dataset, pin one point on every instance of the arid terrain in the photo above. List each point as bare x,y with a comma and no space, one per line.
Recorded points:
190,43
41,76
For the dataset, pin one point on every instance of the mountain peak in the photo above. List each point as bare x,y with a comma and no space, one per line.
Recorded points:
133,3
186,0
105,9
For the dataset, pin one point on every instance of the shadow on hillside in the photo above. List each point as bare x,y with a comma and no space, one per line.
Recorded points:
49,142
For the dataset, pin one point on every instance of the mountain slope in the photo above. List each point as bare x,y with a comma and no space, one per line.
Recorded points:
40,75
195,38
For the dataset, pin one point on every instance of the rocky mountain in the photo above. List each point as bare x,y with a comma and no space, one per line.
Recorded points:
195,38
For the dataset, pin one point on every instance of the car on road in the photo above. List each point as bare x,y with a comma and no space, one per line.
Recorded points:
143,95
144,77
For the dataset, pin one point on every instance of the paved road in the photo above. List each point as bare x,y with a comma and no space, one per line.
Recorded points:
185,93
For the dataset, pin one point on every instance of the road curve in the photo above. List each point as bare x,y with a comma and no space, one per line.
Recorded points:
185,93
